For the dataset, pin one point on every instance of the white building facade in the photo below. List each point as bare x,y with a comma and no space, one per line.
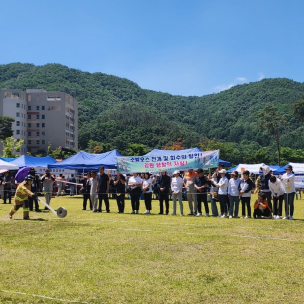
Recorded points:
41,118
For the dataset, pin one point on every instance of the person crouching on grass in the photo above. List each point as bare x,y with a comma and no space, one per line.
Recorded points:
21,197
261,207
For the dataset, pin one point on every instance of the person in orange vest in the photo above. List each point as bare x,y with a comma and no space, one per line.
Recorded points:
261,207
21,197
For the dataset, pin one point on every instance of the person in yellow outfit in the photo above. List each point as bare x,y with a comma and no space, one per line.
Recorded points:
21,197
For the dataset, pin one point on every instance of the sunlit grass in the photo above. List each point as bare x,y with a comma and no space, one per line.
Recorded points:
125,258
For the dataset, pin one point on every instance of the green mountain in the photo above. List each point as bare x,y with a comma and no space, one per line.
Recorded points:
116,111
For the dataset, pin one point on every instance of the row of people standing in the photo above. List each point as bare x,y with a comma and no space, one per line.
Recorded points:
228,191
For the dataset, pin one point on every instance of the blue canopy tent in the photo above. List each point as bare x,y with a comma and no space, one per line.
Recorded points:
32,161
8,159
88,161
192,150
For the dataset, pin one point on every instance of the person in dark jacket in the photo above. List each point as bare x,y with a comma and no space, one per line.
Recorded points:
245,192
34,188
163,184
120,185
201,185
86,187
265,178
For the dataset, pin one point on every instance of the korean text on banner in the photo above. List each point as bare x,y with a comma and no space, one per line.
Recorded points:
183,161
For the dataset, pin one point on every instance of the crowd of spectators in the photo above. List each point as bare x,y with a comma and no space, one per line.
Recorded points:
228,191
220,189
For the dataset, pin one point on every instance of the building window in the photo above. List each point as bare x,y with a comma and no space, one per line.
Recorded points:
17,114
43,133
37,124
37,116
29,116
29,98
18,132
43,141
37,133
17,123
17,105
43,116
29,142
43,125
29,133
29,108
37,141
42,107
29,125
37,108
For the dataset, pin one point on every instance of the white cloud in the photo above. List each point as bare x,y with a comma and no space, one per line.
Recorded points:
261,76
236,81
242,79
224,87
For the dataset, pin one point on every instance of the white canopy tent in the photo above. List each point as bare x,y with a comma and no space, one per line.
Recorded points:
4,166
252,168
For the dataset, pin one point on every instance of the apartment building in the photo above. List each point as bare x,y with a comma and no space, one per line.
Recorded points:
41,118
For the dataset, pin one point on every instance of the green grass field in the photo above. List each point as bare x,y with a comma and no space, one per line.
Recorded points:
124,258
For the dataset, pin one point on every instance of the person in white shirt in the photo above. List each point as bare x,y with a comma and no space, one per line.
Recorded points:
289,192
277,191
135,184
222,193
176,187
234,194
147,189
93,193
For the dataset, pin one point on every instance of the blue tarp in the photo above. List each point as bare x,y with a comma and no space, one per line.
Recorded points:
32,161
192,150
8,159
88,161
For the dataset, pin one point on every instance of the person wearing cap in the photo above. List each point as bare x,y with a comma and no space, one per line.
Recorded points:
245,193
223,193
217,176
47,180
288,180
201,185
21,197
189,179
176,188
234,194
163,183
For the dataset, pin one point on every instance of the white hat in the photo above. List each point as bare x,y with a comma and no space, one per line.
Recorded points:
223,171
176,172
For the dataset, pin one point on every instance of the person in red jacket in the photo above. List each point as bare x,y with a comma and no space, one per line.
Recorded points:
261,207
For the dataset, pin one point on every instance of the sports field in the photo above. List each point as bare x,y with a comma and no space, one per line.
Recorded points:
134,258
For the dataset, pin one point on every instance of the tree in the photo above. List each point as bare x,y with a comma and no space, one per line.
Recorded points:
11,144
272,122
298,110
6,127
137,149
177,145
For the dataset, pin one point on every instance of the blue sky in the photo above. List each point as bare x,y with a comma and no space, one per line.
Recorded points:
183,47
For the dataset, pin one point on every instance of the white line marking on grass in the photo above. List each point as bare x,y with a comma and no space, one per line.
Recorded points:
129,229
264,228
45,297
262,237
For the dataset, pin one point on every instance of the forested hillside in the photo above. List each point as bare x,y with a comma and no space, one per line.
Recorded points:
115,112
